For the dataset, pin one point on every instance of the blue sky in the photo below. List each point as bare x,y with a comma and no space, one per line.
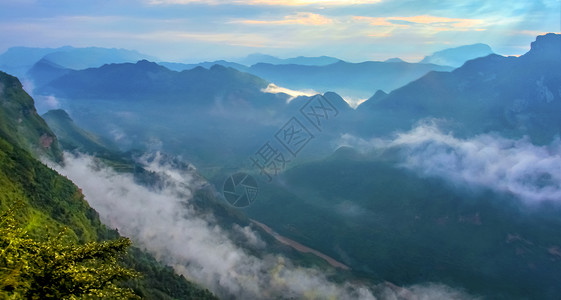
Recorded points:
354,30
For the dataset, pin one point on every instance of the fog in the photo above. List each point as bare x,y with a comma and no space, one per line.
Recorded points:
164,223
516,166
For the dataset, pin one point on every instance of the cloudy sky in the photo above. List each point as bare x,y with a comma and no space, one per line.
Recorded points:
354,30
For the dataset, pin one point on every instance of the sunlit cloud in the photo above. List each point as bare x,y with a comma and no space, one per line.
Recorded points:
301,18
427,19
435,23
274,89
377,21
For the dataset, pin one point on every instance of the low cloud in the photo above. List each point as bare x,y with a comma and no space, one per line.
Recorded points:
274,89
43,103
533,173
354,102
164,223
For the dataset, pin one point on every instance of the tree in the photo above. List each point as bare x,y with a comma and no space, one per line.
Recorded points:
58,268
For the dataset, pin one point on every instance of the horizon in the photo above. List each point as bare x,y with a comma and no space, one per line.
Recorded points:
206,30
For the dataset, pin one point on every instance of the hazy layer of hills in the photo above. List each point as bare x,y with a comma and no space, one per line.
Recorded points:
355,80
253,59
18,60
456,57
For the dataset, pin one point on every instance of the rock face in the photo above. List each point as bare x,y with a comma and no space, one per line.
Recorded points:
546,46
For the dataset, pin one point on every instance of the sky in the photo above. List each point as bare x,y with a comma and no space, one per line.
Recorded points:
354,30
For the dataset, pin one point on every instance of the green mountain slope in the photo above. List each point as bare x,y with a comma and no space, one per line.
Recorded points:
48,202
74,138
19,122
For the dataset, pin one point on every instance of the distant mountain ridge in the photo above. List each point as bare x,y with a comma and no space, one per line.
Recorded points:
513,95
300,60
91,57
455,57
356,80
207,65
18,60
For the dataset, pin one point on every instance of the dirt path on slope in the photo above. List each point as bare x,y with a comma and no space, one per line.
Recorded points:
299,247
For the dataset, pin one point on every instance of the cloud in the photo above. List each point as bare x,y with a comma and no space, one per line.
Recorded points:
164,222
274,89
530,172
427,19
43,103
166,225
354,102
437,23
300,18
264,2
50,101
377,21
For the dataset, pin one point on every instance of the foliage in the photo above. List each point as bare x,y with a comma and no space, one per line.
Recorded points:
58,268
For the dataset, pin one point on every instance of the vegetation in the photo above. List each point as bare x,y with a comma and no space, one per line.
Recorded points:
58,268
49,204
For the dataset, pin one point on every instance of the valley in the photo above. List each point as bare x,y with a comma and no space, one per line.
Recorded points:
434,178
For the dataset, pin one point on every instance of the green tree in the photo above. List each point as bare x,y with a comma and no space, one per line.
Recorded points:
58,268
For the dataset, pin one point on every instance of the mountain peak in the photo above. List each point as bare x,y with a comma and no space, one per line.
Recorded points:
394,60
547,45
59,113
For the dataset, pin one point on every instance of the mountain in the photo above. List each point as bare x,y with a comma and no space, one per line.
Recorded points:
46,203
395,60
455,57
18,60
355,80
45,71
19,122
193,113
146,79
91,57
207,65
515,96
74,138
253,59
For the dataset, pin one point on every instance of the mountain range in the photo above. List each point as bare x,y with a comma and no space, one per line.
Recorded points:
451,176
516,96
